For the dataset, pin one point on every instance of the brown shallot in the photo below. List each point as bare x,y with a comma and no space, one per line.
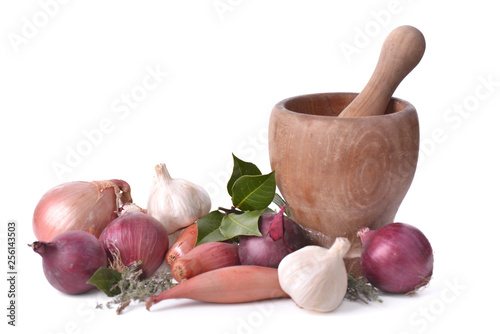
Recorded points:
79,205
235,284
184,243
205,257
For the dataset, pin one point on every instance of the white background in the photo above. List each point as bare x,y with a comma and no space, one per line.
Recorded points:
66,66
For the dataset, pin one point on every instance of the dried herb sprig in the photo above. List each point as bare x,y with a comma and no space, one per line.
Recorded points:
359,289
133,288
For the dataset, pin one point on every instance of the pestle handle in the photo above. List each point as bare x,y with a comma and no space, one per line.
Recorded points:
401,52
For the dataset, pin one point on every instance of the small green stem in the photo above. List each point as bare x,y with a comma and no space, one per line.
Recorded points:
229,211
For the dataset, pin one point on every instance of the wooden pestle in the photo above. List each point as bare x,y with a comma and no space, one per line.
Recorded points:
401,52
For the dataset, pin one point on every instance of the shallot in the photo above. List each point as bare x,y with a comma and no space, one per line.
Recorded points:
280,237
396,258
70,259
205,257
79,205
184,243
235,284
136,236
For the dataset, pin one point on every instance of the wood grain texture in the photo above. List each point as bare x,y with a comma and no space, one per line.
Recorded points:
340,174
401,52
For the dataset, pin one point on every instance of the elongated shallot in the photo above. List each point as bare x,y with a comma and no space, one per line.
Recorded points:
235,284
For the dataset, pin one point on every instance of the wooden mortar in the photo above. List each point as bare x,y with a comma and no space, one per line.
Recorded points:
344,161
339,174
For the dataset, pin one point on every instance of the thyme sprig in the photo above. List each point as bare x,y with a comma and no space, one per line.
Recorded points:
134,288
359,289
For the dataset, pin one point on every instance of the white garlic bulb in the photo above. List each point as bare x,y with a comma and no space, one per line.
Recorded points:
315,277
176,203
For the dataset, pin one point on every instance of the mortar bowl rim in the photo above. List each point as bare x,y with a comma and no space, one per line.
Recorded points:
288,105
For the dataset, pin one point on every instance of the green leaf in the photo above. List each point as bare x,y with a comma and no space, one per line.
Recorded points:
241,168
106,279
251,192
208,228
241,224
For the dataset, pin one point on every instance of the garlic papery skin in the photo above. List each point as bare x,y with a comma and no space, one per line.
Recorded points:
315,277
176,203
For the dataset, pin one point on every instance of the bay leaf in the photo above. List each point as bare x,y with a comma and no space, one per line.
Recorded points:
105,279
241,168
208,227
246,223
254,192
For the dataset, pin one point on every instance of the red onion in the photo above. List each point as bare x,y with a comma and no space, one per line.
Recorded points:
396,258
70,260
138,237
79,205
280,236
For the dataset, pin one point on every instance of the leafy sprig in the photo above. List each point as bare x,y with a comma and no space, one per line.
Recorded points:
251,194
126,284
130,286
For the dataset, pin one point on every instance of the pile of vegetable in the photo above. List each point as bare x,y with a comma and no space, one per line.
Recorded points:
92,235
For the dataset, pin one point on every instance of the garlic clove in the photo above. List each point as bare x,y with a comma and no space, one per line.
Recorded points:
176,203
315,277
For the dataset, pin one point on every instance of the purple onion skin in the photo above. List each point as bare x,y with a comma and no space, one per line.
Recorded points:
70,260
396,258
139,237
269,249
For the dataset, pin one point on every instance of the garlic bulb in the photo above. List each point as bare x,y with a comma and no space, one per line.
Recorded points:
176,203
315,277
